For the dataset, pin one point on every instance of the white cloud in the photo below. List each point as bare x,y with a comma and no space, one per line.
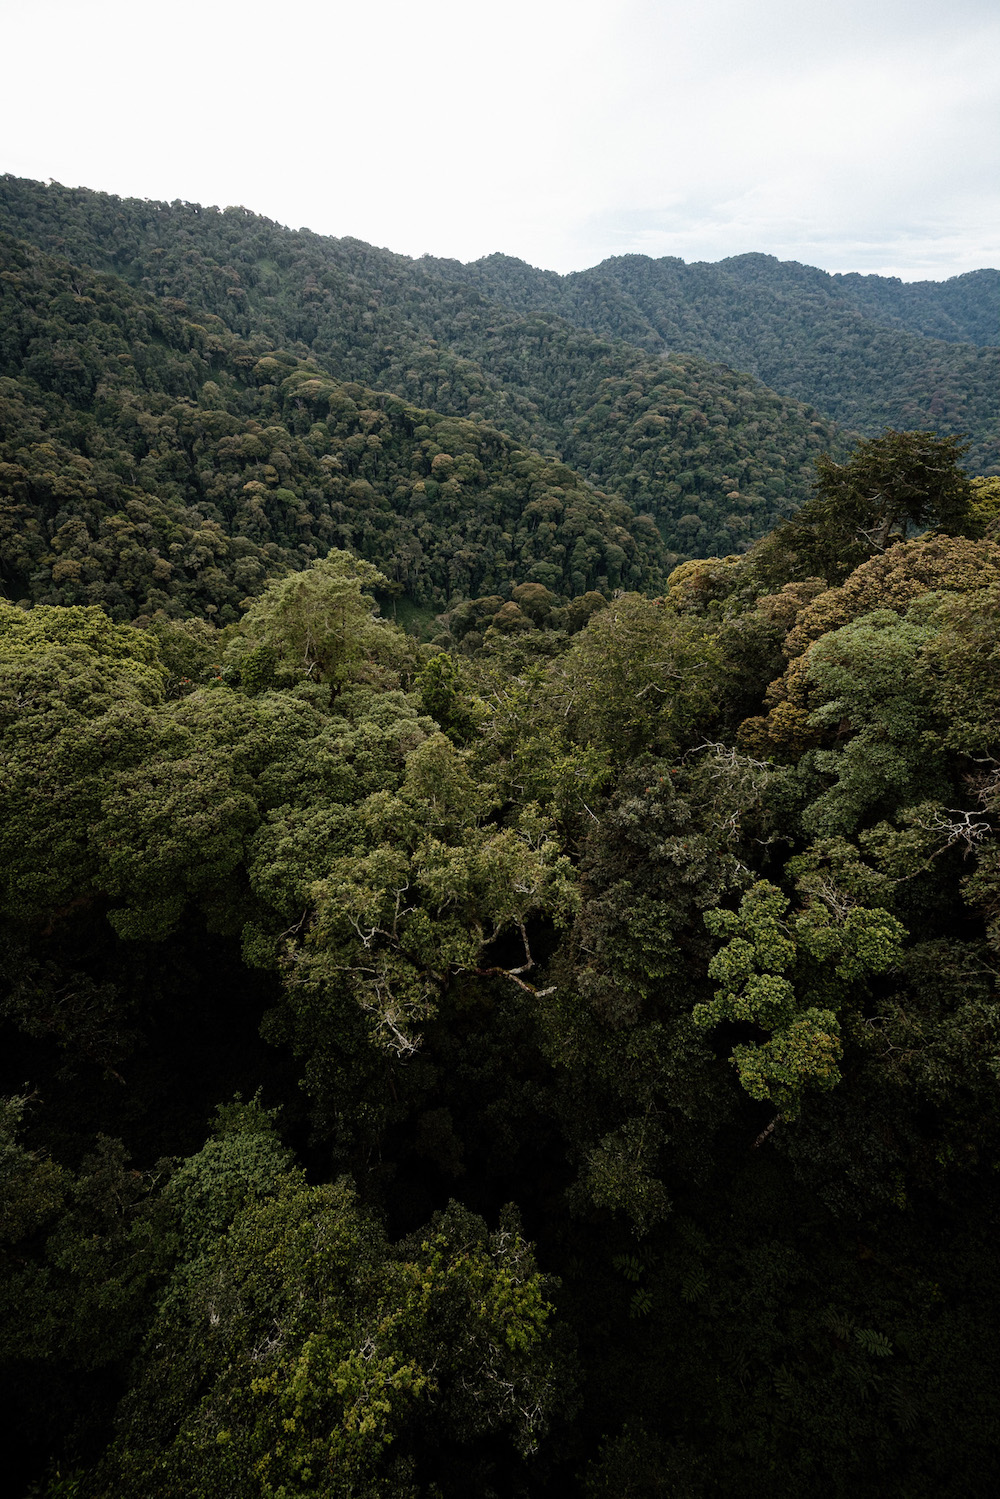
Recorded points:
861,136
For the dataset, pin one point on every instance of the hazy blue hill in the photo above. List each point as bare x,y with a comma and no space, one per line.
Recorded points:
856,347
634,292
963,309
870,351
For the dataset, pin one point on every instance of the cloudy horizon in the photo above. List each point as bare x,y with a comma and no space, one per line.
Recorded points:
864,139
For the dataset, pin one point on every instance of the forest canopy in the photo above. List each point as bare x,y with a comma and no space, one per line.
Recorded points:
495,1002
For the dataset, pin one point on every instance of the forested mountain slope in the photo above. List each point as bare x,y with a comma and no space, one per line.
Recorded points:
866,350
963,309
558,1058
150,459
713,455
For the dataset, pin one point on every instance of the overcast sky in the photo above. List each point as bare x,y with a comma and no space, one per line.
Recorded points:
857,135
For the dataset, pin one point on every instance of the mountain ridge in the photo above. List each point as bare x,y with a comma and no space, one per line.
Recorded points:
848,345
712,455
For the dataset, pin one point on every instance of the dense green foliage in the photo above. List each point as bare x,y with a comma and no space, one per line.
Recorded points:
868,351
552,1049
673,921
512,343
711,454
151,462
